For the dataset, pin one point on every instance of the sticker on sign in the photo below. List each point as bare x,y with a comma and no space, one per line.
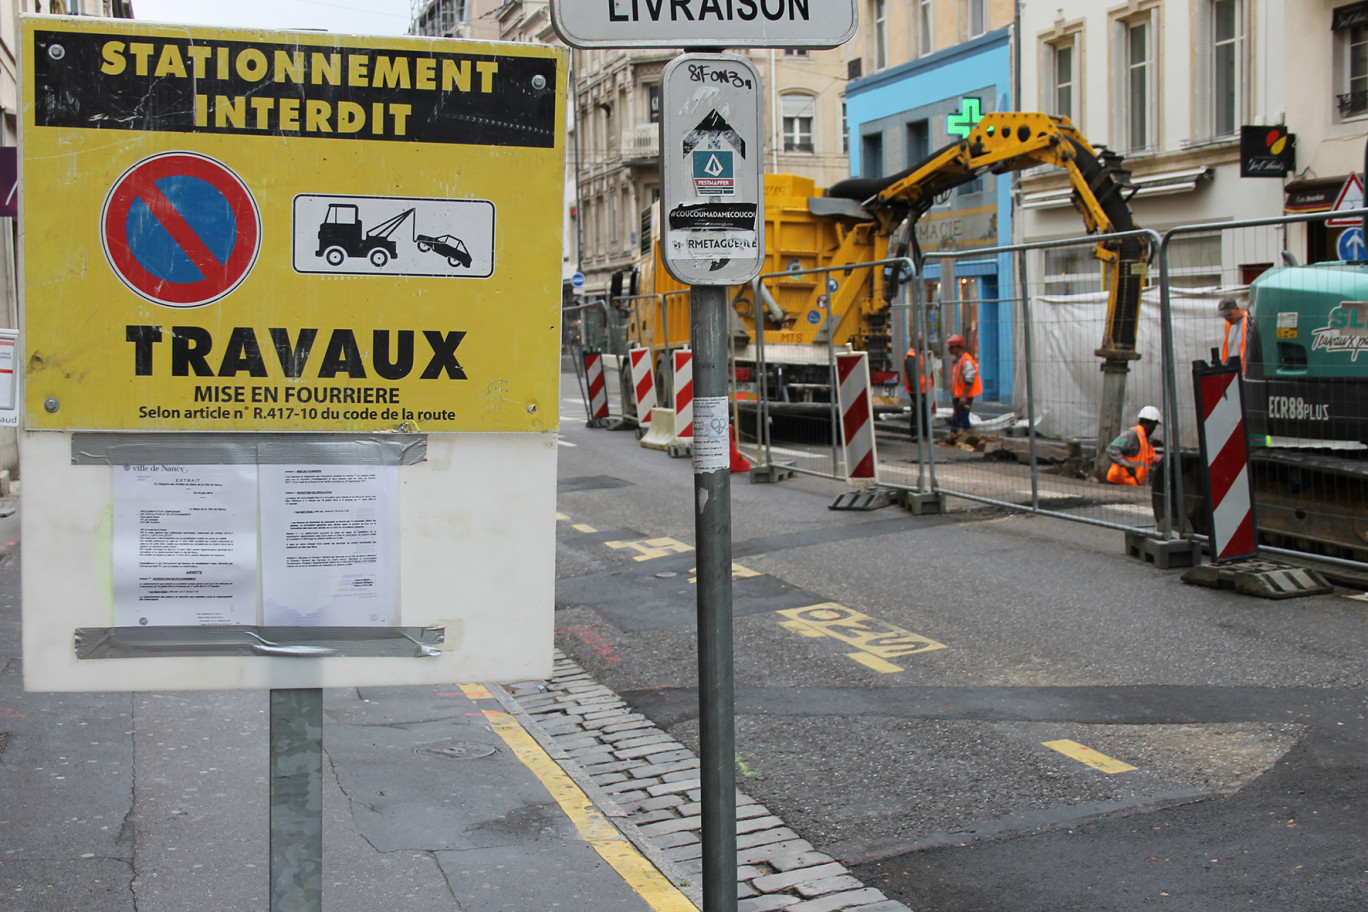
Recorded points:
712,169
703,23
710,245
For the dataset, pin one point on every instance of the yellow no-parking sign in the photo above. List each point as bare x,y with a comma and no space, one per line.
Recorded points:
266,231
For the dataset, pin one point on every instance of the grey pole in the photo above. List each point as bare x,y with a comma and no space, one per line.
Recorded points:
1027,314
297,800
716,681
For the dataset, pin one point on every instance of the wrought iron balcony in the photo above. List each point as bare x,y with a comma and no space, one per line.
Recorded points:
1351,103
641,142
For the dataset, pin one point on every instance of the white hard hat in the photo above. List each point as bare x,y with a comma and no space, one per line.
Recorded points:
1150,413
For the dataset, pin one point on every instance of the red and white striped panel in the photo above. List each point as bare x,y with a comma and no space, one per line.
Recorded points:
857,416
1227,453
683,393
598,389
643,383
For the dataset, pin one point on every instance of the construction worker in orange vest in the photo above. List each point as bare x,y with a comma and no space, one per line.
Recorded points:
1236,330
914,364
965,382
1131,453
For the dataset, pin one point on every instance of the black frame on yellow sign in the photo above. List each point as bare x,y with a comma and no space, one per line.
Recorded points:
153,300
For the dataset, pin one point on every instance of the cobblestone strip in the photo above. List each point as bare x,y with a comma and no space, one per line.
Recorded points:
649,784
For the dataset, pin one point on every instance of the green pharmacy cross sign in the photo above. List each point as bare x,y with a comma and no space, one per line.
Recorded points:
961,124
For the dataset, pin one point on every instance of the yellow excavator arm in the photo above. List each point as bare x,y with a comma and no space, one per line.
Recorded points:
1012,141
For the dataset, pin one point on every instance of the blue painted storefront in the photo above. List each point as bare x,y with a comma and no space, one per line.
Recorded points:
886,111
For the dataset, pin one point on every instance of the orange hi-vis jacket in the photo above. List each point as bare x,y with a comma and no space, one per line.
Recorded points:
958,388
1243,329
914,362
1141,461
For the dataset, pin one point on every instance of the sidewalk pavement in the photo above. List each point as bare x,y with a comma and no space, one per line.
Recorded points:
545,795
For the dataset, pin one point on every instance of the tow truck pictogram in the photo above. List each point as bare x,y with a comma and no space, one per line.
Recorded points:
340,236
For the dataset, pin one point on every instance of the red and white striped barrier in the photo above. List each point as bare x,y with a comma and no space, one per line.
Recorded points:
598,389
683,394
643,384
1225,459
857,417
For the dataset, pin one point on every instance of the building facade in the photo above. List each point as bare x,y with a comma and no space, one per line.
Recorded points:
926,69
1170,83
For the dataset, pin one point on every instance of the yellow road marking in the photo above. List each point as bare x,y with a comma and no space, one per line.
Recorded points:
595,828
878,641
738,572
581,527
651,548
476,691
561,516
1084,754
874,662
801,629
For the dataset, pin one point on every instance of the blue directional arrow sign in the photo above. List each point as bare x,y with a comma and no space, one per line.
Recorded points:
1350,245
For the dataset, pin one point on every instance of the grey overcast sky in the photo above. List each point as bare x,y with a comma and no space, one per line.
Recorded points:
349,17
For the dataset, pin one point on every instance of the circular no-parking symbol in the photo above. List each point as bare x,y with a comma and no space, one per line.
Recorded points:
180,229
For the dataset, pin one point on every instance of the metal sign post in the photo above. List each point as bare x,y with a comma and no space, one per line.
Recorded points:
713,180
296,800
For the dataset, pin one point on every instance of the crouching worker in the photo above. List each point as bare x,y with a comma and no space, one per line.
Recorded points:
1131,453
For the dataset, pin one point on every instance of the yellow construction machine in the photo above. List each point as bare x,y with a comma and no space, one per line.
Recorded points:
862,221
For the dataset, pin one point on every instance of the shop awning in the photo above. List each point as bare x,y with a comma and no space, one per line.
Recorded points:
1150,185
1312,195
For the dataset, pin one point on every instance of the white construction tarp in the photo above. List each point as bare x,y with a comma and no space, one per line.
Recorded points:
1067,378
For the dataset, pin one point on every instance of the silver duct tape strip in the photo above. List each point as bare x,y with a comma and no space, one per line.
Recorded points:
128,448
287,642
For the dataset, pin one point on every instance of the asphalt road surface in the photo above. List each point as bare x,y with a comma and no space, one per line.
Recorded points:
980,710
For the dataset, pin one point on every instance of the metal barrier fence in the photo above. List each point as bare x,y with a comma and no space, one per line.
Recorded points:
592,327
1036,316
1034,432
1304,386
801,416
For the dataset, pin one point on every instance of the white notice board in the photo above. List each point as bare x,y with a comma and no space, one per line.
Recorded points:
478,527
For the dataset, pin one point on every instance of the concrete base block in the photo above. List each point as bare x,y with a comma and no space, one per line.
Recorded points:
1262,578
769,474
922,503
1163,554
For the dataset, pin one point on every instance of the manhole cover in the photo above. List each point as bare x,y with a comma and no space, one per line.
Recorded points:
454,750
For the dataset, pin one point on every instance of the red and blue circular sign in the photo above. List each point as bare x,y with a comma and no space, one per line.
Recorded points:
181,229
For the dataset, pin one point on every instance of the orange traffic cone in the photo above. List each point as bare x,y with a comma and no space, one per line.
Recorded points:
739,463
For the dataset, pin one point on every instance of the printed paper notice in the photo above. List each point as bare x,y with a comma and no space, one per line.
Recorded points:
711,443
329,545
185,545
